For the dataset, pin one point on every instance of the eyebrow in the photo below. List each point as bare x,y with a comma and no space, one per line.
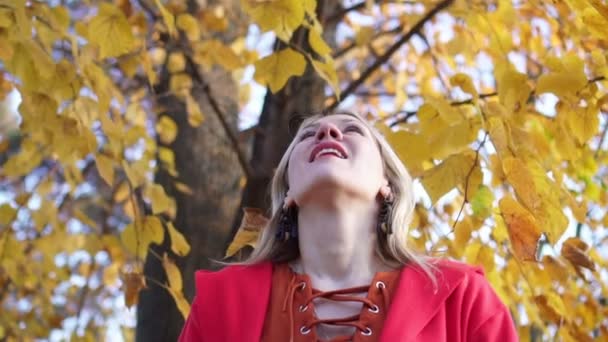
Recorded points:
315,125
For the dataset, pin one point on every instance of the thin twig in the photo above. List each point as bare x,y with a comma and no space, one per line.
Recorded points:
389,53
435,61
603,137
148,9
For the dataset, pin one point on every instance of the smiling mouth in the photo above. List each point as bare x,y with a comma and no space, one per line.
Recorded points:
328,152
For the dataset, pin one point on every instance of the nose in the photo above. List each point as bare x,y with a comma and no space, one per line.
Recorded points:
327,129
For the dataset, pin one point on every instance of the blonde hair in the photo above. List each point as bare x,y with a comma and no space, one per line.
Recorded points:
393,249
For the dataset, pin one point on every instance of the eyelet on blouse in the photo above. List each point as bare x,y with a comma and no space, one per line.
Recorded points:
380,284
303,308
374,309
304,330
367,332
302,286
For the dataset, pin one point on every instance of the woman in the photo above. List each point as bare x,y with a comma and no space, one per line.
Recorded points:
333,262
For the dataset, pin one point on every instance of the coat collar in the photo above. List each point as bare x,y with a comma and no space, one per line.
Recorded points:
415,293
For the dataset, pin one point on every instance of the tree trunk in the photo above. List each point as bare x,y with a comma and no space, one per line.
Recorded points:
208,164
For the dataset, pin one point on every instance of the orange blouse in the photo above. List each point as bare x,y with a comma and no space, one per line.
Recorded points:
291,317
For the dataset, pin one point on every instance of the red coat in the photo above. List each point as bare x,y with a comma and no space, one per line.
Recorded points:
231,304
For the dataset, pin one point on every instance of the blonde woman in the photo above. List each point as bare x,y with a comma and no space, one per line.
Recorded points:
333,263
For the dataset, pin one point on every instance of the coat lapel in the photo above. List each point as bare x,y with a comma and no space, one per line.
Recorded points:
415,302
235,302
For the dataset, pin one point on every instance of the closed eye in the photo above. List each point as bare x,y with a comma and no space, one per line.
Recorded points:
306,135
353,128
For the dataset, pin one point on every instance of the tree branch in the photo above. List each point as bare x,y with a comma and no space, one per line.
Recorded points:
340,14
220,115
387,55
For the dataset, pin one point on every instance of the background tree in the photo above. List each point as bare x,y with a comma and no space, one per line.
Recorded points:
129,168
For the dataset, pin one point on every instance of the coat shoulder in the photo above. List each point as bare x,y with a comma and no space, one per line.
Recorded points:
233,274
457,268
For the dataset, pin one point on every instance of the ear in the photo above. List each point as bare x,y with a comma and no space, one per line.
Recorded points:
385,190
288,201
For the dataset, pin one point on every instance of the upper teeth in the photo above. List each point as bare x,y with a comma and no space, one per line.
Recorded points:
329,150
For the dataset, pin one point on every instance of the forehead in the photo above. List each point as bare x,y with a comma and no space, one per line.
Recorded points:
334,118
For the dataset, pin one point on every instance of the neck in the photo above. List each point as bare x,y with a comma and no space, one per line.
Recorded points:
337,243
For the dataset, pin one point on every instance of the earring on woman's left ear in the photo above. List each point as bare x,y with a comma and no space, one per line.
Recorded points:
384,216
288,224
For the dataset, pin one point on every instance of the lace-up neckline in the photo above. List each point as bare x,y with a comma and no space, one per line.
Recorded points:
297,307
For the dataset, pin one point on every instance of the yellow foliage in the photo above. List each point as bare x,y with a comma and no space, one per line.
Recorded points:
456,170
188,24
166,129
247,235
168,17
280,16
105,166
133,282
111,31
98,85
179,244
524,232
276,69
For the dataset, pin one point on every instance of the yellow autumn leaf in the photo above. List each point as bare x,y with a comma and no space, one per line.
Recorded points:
513,87
166,129
462,233
111,31
364,35
212,51
481,203
136,173
318,44
111,274
520,177
327,71
547,310
157,195
105,166
181,84
173,274
167,157
252,223
179,245
281,16
566,80
133,282
455,170
153,230
195,116
137,237
465,83
402,142
176,62
168,18
584,123
274,70
575,251
7,214
595,22
189,24
241,239
182,304
183,188
524,232
555,268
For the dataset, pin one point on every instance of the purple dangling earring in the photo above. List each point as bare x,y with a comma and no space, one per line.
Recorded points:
288,224
384,217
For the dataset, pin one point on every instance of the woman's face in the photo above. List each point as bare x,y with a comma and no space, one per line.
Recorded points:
336,152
